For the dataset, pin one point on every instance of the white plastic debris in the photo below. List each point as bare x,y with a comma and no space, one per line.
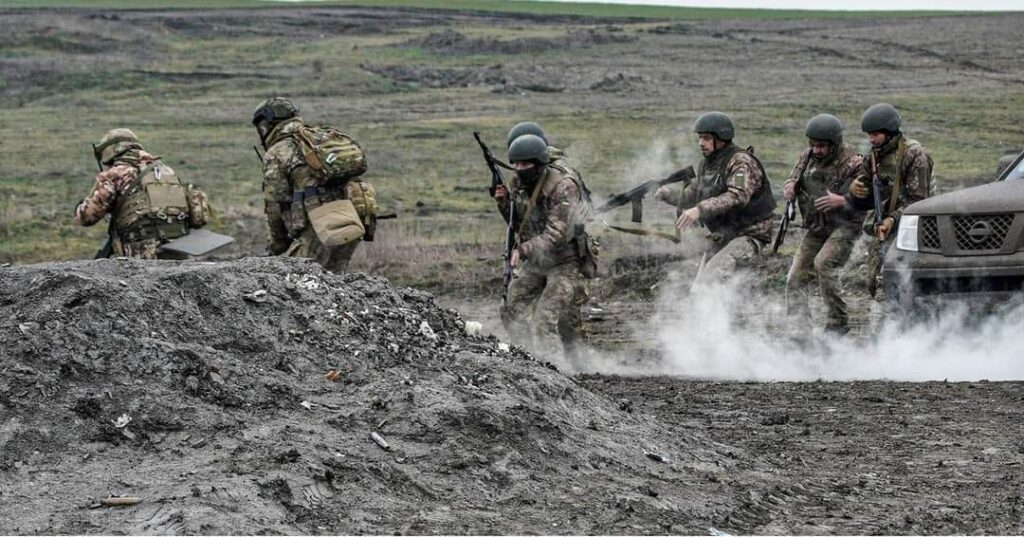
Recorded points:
473,328
307,405
427,332
256,296
308,282
122,421
503,347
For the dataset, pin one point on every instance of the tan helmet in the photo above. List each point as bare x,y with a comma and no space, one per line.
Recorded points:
115,143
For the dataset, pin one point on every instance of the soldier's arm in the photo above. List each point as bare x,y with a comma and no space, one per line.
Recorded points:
276,199
743,179
794,176
502,198
861,174
917,182
847,174
564,202
100,201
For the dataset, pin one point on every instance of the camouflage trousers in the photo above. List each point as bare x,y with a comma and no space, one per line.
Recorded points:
543,312
721,257
875,254
149,249
331,259
821,255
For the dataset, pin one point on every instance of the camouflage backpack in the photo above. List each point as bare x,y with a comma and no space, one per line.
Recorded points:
159,206
331,153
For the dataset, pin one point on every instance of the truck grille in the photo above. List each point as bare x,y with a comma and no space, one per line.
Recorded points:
977,232
929,233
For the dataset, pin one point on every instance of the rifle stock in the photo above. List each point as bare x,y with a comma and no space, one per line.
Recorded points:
788,215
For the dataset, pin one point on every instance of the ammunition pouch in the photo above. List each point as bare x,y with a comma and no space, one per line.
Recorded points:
157,206
587,251
337,223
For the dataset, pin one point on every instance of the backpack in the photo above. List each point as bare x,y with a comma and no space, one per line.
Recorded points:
331,153
159,206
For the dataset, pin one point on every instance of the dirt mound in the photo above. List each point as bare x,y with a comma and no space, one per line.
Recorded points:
433,77
240,397
453,42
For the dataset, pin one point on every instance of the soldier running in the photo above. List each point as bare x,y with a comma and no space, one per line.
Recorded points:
819,182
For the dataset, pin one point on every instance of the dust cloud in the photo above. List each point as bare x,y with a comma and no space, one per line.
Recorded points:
729,332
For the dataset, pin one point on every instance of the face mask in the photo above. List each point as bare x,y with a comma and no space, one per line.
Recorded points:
263,130
530,175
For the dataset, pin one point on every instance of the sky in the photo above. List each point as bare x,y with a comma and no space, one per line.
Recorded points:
871,5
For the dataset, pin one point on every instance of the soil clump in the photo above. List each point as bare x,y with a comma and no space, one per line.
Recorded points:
265,396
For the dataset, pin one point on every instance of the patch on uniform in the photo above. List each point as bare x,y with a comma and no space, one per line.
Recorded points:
740,179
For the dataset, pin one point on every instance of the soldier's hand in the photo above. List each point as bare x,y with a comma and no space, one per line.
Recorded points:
885,228
688,218
514,261
500,192
789,190
858,189
830,202
662,193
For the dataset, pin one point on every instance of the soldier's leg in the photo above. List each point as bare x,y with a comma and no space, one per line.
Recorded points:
718,266
801,272
523,294
570,322
557,314
833,256
336,259
304,245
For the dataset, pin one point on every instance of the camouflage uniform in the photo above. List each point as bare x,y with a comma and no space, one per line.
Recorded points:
115,184
905,167
830,236
545,297
285,173
735,202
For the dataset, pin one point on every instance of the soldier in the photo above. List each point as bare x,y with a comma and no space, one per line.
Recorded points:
819,182
529,127
301,192
731,196
148,206
553,252
904,170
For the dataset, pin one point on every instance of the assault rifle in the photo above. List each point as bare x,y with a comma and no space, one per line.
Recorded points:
876,193
107,249
497,180
636,195
788,215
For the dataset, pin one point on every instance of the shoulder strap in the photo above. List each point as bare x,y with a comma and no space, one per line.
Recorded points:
533,201
897,184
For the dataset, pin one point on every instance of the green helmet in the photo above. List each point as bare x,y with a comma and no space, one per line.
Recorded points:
525,127
825,127
715,123
115,143
528,147
274,110
880,117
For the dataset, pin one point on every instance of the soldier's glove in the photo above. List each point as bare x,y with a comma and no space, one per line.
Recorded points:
858,189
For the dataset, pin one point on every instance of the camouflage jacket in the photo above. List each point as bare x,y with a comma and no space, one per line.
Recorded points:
110,185
815,177
545,239
727,182
904,166
284,172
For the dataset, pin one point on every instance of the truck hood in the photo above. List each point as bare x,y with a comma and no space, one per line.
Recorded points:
1000,197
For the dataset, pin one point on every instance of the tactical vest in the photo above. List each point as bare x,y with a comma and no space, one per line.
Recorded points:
536,220
712,183
890,167
154,206
816,179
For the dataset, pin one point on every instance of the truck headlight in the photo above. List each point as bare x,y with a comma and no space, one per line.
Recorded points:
906,234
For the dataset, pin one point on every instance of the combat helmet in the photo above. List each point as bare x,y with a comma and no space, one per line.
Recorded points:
525,127
273,111
528,147
715,123
115,143
825,127
880,117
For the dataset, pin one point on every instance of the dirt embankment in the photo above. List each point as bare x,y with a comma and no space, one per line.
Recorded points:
240,397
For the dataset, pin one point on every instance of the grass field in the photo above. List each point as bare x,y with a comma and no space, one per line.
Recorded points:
412,85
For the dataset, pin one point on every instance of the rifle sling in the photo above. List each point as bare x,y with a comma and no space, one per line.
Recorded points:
529,206
648,232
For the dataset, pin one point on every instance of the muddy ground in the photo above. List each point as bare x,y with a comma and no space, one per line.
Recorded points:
242,396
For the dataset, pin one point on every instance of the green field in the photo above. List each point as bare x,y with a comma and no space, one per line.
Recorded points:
412,86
